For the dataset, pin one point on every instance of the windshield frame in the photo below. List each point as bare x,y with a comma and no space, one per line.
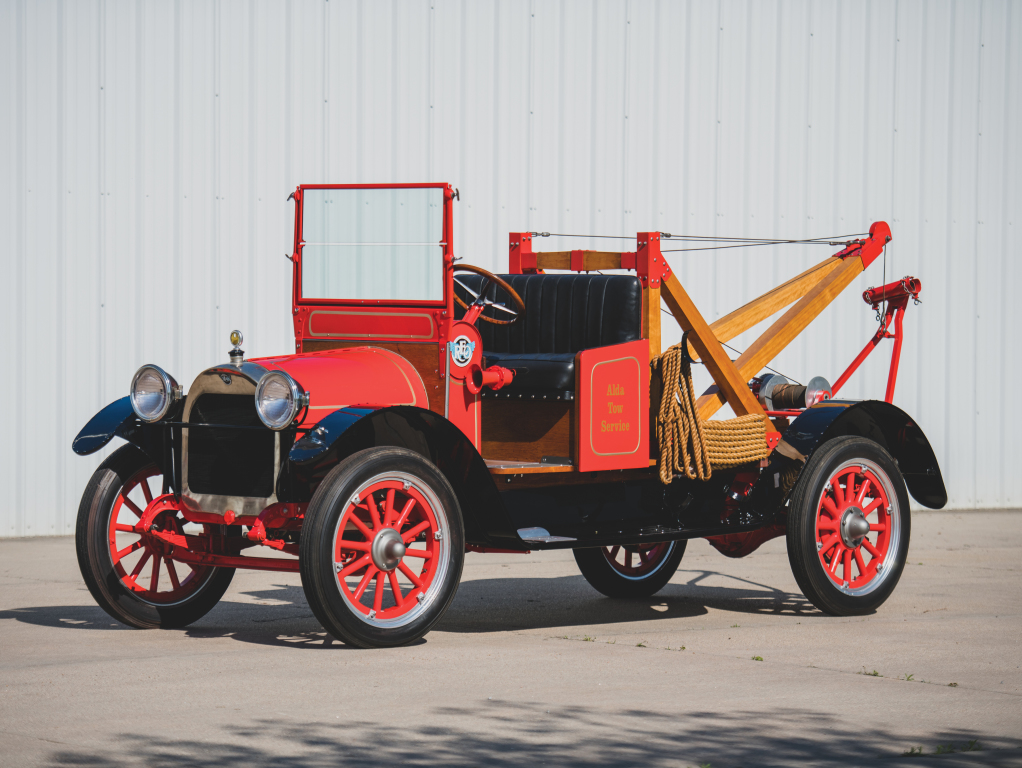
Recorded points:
447,252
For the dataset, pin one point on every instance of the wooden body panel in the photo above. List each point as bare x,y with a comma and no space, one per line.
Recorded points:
528,430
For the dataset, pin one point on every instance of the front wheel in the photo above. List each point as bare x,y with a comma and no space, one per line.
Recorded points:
132,575
848,527
630,571
382,548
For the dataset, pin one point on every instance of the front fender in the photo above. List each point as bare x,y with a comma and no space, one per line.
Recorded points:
883,423
119,420
348,430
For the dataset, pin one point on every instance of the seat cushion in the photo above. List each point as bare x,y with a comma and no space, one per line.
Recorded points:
546,372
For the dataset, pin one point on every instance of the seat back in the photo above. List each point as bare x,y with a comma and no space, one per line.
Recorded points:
565,313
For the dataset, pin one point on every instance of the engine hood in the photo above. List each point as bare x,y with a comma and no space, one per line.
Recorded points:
359,376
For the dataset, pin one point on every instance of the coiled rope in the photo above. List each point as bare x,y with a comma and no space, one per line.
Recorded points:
689,445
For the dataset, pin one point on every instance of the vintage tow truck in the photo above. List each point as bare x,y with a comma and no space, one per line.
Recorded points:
431,408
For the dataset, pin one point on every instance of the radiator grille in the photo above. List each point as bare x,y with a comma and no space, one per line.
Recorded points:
229,462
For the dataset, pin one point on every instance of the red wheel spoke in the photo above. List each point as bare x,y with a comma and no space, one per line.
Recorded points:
412,576
828,543
835,485
848,566
405,511
826,525
125,528
850,486
643,557
141,563
871,549
613,552
860,563
395,588
126,551
358,565
361,546
172,572
131,505
834,560
145,491
363,529
418,553
410,536
155,580
378,592
374,512
370,572
628,558
877,527
873,505
388,508
861,495
830,507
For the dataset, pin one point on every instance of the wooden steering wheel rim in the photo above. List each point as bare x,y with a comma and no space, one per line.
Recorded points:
515,298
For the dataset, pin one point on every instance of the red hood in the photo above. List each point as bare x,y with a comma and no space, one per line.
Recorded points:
339,378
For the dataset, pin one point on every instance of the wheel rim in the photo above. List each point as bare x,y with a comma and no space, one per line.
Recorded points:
390,550
858,527
142,562
637,562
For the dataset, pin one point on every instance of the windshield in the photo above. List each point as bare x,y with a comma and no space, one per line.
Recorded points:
373,244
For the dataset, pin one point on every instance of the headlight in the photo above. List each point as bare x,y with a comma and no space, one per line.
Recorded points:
278,399
152,392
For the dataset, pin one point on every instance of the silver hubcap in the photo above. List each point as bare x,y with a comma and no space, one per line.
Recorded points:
854,527
388,549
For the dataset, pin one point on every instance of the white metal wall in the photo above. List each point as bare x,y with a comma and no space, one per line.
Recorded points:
147,148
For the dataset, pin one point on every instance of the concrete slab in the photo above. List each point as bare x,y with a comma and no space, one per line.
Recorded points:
532,666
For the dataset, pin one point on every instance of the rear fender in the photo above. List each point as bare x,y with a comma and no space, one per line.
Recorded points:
883,423
349,430
119,420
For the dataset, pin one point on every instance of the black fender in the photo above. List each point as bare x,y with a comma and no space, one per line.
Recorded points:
119,420
348,430
883,423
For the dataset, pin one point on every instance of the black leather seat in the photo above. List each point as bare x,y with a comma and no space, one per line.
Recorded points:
565,313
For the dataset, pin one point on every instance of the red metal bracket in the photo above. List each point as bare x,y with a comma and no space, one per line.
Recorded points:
650,264
521,259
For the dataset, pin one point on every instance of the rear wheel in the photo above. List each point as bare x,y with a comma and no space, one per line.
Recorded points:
131,574
630,571
382,548
848,527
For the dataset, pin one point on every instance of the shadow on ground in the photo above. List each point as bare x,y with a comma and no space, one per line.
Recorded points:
481,605
500,733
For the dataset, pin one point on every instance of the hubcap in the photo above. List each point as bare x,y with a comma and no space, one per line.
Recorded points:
388,549
854,526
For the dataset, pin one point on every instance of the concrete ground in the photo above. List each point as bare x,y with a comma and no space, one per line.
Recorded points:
532,667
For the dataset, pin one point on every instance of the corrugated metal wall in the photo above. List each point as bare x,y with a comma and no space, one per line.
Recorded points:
146,151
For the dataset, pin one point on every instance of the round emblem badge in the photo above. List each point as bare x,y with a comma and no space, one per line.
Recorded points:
462,350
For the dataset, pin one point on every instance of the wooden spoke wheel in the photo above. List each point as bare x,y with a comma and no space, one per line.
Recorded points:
382,548
132,574
849,526
630,570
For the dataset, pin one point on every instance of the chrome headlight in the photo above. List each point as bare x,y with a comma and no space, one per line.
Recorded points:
278,399
153,390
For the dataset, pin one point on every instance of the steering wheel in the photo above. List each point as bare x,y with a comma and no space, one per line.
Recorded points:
482,303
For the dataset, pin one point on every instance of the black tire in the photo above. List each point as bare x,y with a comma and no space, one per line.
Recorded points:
335,605
601,570
858,592
96,563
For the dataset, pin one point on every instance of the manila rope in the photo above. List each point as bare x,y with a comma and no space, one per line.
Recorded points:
689,445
